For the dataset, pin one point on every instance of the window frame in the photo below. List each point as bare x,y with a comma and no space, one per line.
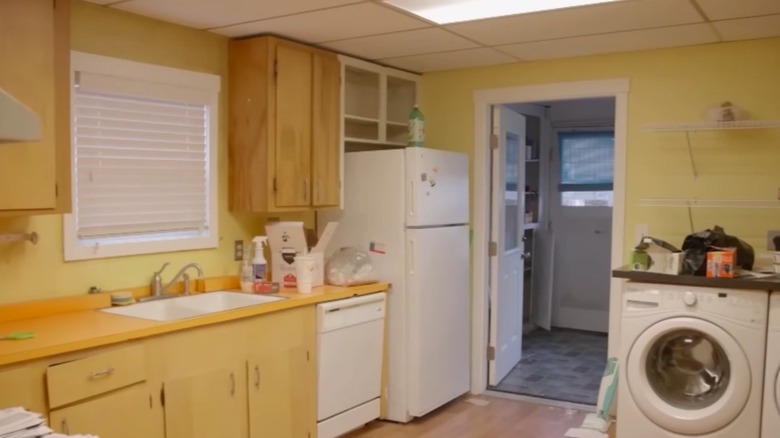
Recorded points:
185,82
581,187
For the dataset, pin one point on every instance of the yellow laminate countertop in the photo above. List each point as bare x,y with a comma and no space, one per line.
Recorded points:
82,329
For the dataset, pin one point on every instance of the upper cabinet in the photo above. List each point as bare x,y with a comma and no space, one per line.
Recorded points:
284,131
34,54
377,102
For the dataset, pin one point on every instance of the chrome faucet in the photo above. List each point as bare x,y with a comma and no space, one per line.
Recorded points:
158,290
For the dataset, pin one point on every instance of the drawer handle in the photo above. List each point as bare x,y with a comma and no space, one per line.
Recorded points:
232,384
257,376
101,373
65,429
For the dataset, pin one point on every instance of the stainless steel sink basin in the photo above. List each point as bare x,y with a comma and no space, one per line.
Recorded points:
190,306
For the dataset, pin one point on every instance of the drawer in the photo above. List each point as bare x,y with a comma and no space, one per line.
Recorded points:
102,372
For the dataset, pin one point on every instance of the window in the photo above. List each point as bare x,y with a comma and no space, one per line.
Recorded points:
143,159
586,168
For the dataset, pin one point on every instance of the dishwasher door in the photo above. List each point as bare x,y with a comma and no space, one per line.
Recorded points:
350,343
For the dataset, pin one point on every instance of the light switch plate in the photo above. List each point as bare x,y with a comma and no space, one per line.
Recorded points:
238,250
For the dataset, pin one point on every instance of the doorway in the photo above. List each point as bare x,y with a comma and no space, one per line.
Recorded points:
566,173
533,310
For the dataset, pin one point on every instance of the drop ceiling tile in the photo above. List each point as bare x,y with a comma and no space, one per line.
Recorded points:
330,24
725,9
749,28
450,60
687,35
205,14
587,20
413,42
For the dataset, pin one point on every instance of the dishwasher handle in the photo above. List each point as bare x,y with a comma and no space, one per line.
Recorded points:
349,312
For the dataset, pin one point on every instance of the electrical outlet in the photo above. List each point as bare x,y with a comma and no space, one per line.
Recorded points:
238,250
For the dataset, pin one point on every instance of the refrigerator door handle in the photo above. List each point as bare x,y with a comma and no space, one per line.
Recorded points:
411,198
411,256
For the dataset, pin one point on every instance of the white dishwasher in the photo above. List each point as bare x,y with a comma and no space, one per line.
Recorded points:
350,337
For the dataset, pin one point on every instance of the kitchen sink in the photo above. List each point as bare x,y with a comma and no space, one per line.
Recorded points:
191,306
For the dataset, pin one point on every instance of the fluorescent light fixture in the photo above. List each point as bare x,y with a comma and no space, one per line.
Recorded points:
454,11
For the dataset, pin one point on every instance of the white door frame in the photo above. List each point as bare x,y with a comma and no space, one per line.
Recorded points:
483,101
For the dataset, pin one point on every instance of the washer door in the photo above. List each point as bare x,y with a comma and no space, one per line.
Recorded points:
688,376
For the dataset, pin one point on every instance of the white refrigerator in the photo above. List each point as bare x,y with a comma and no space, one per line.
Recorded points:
409,209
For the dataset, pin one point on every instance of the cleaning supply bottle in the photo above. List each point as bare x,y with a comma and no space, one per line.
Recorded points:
259,265
247,274
416,127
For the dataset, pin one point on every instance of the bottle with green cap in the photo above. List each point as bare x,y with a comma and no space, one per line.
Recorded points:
416,127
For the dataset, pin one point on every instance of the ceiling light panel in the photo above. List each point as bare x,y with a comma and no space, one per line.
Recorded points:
455,11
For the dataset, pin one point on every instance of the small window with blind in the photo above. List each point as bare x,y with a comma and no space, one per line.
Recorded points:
587,162
143,159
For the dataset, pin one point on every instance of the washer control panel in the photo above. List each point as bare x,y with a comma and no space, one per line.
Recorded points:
739,304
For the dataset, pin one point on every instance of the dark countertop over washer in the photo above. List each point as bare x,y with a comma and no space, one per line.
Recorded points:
765,284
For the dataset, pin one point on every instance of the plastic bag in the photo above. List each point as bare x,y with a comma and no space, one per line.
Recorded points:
350,267
697,245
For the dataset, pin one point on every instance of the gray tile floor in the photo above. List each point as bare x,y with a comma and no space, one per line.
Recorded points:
560,364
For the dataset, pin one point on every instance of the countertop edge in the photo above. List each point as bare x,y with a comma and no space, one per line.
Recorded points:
145,328
758,284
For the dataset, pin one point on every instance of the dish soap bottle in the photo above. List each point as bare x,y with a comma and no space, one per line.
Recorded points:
247,274
416,127
259,265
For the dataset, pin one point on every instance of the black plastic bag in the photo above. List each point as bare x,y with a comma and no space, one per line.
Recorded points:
697,245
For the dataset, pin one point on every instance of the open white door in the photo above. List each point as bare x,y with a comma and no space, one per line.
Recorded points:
506,261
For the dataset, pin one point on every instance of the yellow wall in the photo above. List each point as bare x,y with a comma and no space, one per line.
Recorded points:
666,86
38,271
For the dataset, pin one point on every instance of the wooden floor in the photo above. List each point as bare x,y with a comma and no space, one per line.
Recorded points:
500,418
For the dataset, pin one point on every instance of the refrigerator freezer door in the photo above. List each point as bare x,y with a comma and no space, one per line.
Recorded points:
437,187
438,313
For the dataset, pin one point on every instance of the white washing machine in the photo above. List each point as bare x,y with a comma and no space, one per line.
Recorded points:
770,423
691,362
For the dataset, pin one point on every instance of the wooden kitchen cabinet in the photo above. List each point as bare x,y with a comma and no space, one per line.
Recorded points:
206,405
34,54
23,386
282,375
127,413
284,131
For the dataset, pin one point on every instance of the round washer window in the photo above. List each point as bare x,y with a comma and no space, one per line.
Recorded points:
688,369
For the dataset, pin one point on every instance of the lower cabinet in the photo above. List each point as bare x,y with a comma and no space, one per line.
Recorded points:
126,413
205,405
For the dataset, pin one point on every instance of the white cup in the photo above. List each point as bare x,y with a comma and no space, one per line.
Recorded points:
304,273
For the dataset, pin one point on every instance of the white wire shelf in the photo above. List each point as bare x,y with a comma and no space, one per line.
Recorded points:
714,126
708,203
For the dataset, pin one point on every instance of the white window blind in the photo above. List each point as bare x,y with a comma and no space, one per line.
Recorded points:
143,170
141,165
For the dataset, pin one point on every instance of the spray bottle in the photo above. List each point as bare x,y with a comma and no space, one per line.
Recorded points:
259,265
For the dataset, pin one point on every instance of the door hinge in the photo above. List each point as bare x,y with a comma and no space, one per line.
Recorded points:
307,356
162,396
274,184
494,141
56,190
276,68
492,249
491,353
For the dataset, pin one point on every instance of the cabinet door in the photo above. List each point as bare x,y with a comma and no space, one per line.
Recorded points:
326,147
128,413
23,386
27,38
279,394
292,149
205,405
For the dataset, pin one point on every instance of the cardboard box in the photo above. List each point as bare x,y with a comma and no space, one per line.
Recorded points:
653,255
722,263
287,240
